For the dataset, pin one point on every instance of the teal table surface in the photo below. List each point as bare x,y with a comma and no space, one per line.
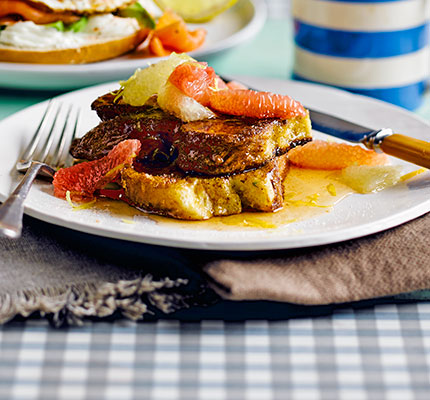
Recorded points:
269,54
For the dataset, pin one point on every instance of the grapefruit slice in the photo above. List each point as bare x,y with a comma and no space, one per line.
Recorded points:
195,80
147,82
200,82
320,154
251,103
82,180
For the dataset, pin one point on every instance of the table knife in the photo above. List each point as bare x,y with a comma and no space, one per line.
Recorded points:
383,140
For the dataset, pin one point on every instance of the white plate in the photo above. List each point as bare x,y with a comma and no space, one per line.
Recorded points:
231,28
355,216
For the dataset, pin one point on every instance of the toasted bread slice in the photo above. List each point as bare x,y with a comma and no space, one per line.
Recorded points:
152,126
233,144
219,146
108,107
177,195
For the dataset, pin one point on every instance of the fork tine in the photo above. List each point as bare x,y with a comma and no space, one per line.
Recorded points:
75,128
49,139
58,153
11,211
68,159
28,153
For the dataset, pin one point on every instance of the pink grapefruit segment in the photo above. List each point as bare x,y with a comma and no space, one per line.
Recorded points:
320,154
235,85
194,80
83,179
251,103
200,82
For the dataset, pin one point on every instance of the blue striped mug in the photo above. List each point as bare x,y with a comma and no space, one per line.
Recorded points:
378,48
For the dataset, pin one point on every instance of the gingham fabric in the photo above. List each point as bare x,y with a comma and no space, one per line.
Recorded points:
374,353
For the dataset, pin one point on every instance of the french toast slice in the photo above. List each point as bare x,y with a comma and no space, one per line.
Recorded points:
180,196
219,146
151,125
228,144
107,107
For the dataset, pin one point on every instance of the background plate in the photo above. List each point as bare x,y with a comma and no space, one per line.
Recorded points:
355,216
233,27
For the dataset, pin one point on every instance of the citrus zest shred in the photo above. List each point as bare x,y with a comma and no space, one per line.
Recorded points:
305,203
412,174
311,201
255,223
81,206
118,94
331,189
215,87
127,221
313,198
113,171
289,195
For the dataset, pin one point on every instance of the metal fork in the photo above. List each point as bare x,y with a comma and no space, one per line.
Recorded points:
39,159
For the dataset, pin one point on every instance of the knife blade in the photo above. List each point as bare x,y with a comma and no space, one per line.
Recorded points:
338,127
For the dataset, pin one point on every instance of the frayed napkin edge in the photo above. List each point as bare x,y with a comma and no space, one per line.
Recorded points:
71,304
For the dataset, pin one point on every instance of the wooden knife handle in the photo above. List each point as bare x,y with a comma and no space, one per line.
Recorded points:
409,149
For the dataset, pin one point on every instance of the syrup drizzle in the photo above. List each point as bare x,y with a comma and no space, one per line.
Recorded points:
307,194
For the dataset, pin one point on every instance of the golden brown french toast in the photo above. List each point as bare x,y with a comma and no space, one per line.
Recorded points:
177,195
108,107
219,146
229,144
214,167
151,126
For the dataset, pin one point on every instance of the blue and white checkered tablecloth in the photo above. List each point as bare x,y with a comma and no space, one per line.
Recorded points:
382,352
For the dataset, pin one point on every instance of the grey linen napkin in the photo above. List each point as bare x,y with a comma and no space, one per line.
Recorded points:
69,276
